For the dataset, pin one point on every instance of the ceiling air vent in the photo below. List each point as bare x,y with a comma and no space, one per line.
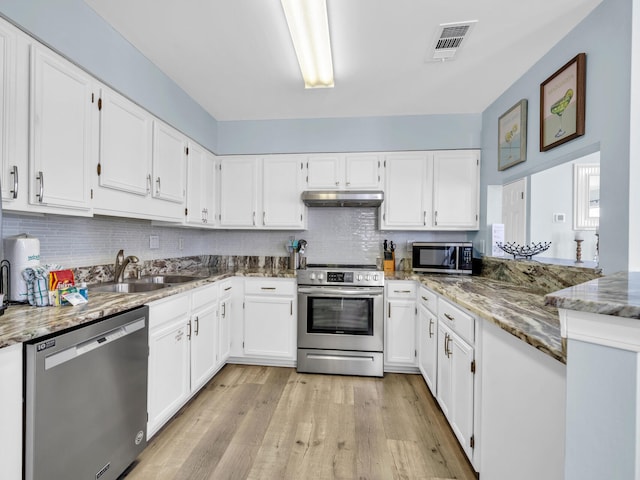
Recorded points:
448,40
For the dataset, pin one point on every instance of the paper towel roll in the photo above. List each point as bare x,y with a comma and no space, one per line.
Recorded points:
22,251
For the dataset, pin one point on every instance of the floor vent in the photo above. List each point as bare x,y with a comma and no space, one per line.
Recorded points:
449,38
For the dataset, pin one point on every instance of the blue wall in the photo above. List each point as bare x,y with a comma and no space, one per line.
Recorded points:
426,132
605,36
73,29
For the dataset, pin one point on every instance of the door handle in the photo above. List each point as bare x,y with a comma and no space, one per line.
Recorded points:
224,309
158,183
197,326
430,328
424,221
14,172
40,178
189,334
449,317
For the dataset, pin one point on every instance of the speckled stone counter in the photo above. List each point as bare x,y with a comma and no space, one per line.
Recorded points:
617,294
515,309
21,323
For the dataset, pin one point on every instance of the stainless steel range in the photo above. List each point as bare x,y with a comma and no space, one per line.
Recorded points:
340,319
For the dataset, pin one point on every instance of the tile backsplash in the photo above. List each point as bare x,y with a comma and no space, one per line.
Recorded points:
334,235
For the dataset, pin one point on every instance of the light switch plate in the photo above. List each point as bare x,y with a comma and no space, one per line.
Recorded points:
154,241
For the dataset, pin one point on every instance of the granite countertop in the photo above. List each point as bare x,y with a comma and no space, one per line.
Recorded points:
617,294
516,309
22,322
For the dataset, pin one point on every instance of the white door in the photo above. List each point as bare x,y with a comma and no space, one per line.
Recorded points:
514,211
126,139
324,172
9,174
269,327
444,368
200,186
461,413
62,144
168,372
428,348
238,192
456,182
204,352
169,163
400,333
282,184
362,171
224,330
406,196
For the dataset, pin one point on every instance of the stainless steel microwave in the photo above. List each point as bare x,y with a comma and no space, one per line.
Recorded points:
442,257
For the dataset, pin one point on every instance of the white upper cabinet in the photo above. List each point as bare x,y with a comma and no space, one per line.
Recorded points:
125,145
169,163
238,191
352,171
63,123
201,181
431,190
407,194
261,192
456,180
282,184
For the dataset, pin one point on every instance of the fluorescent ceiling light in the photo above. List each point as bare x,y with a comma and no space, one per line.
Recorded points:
309,27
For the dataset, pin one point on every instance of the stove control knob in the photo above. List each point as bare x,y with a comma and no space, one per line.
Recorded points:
375,277
312,276
367,277
320,276
359,277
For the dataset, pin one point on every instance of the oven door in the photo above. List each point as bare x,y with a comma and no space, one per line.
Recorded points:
341,318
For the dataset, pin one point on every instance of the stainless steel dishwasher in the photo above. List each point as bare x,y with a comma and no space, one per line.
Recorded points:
86,399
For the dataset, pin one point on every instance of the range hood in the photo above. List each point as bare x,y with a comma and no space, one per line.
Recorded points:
342,198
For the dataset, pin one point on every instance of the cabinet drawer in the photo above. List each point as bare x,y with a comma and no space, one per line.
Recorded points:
428,299
401,289
203,295
269,286
225,287
460,322
168,309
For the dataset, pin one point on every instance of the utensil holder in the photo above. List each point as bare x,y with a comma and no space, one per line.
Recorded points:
390,264
294,260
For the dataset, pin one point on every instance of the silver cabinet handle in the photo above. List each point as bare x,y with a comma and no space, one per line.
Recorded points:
189,334
226,289
425,218
40,178
267,288
224,310
158,183
424,298
449,317
435,217
149,183
291,307
264,218
449,338
14,172
402,291
337,184
197,325
430,327
254,218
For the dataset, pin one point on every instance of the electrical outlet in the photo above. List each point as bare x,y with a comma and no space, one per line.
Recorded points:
180,243
154,241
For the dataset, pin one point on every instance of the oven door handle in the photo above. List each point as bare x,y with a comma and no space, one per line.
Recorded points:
344,292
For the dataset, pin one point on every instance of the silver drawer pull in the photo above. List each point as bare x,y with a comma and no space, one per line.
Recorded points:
402,291
267,288
424,298
226,289
449,317
14,172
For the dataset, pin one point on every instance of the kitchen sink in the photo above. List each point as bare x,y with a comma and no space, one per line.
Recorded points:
164,279
127,287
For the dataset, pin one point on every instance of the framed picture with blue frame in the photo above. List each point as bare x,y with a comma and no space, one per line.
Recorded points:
512,136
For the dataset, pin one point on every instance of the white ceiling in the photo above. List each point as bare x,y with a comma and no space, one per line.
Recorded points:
235,57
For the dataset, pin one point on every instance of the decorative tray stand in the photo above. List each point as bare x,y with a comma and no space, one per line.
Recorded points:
523,251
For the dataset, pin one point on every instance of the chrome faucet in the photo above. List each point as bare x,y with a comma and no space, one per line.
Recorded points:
121,265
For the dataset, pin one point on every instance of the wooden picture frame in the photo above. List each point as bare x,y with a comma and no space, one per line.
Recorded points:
512,136
562,104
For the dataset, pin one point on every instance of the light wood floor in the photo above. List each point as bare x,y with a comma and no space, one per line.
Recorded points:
254,422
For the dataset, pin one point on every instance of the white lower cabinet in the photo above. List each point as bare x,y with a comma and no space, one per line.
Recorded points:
183,351
11,411
456,372
400,352
225,316
428,337
270,317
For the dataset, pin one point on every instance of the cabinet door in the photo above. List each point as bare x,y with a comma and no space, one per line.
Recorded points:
11,403
204,344
406,177
362,171
281,188
456,180
400,333
269,327
238,192
125,145
63,121
428,348
168,372
324,172
444,369
169,163
461,413
224,330
200,187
